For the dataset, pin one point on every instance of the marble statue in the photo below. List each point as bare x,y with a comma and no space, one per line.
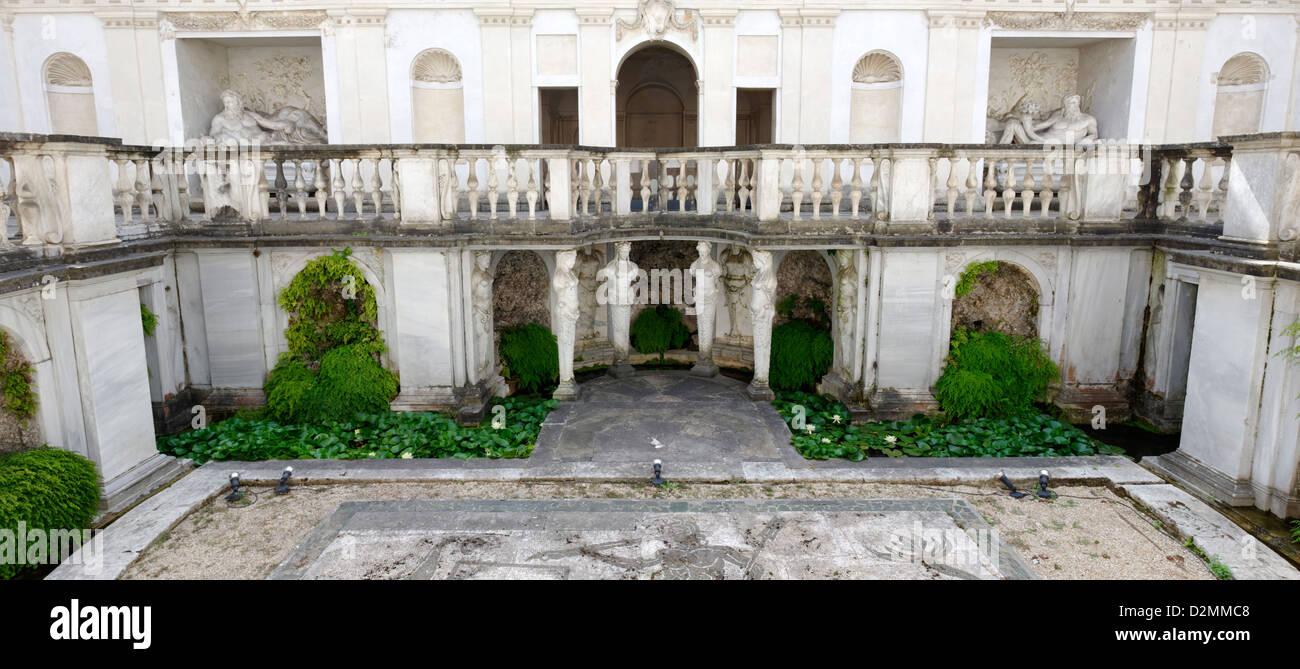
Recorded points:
619,278
288,125
565,286
706,274
739,270
762,306
1067,125
589,263
845,302
481,289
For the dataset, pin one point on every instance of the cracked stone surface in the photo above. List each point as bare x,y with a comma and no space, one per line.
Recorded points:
671,416
653,539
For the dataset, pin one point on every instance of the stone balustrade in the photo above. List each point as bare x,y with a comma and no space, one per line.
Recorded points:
78,191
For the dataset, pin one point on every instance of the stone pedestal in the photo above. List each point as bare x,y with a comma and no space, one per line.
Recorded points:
759,391
621,369
567,391
705,368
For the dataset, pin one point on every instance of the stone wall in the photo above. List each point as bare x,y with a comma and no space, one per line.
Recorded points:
806,274
16,434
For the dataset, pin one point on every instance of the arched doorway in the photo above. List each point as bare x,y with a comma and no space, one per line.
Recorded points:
656,101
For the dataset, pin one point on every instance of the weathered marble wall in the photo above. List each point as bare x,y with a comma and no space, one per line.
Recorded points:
1005,300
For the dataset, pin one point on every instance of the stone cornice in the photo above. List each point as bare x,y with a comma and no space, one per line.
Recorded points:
252,21
1092,21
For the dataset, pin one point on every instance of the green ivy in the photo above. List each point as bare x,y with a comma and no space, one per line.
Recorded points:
1025,434
46,488
658,330
330,304
148,319
384,434
332,367
530,354
16,383
991,374
802,352
972,274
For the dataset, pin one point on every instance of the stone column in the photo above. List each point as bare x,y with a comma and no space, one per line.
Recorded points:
565,285
839,380
706,274
498,111
815,80
717,90
1177,50
135,68
597,99
762,305
619,278
358,40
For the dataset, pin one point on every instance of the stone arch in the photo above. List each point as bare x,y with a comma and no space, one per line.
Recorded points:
282,276
876,98
665,255
69,95
521,290
656,100
1006,300
437,98
27,342
810,275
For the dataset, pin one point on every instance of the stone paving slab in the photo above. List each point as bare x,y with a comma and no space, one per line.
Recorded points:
1216,535
654,539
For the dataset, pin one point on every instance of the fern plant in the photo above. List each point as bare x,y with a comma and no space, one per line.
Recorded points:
531,354
659,330
148,319
47,488
991,374
801,354
972,274
16,394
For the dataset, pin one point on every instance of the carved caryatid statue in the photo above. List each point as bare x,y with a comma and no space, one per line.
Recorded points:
706,274
619,279
845,303
589,264
565,285
739,269
289,125
481,286
762,306
1067,125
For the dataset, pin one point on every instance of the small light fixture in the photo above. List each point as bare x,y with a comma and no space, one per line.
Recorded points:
235,495
1043,492
659,474
284,481
1010,486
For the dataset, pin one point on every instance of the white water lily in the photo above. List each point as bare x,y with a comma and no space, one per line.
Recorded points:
810,427
891,438
836,418
407,455
825,440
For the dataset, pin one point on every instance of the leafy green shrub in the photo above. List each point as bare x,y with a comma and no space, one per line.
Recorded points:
148,319
972,274
1295,531
46,488
330,304
386,434
659,330
15,383
991,374
1025,434
801,354
332,368
531,355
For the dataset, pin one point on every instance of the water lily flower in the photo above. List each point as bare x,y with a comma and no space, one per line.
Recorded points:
810,427
357,431
825,440
836,418
891,438
407,455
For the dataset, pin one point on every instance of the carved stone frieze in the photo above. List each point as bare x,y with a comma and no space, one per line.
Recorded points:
1107,21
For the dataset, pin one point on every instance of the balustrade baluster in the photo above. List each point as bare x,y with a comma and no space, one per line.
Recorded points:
855,187
1049,188
512,187
818,164
493,194
796,189
281,188
299,190
990,185
472,191
1009,187
1027,193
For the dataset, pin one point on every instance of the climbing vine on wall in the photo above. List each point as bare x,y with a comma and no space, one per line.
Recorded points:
972,274
332,369
15,382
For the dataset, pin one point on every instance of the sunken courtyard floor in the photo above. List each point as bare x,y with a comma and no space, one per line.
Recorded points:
475,529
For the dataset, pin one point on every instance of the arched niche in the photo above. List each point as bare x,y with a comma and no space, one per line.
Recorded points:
437,98
521,291
1241,86
26,345
69,95
809,275
656,100
285,266
1006,300
876,100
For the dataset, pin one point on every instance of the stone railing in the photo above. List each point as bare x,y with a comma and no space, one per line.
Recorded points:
76,191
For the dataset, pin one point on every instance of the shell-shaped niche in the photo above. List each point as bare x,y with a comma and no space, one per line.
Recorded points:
877,67
1243,69
65,69
435,66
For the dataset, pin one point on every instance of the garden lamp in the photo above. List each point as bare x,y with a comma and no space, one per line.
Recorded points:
284,481
1043,492
1010,486
659,474
234,495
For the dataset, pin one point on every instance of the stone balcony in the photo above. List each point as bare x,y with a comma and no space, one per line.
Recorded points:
64,193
